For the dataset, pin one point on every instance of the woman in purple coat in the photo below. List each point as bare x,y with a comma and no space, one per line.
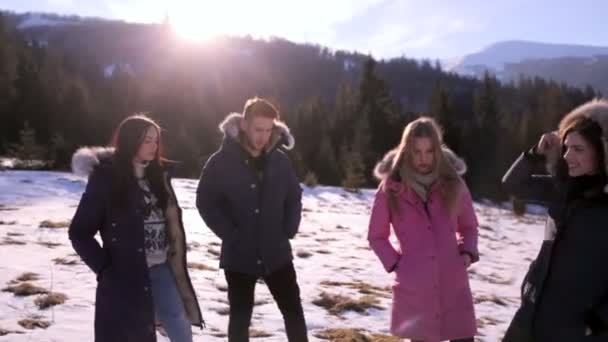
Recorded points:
429,207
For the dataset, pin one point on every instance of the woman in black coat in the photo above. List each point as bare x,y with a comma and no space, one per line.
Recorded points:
565,293
141,263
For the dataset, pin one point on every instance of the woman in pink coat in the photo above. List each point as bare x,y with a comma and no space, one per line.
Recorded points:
423,198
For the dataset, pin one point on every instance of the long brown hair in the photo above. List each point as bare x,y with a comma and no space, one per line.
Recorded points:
127,139
402,170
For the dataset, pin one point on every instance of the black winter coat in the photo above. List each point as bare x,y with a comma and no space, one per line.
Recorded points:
566,287
124,309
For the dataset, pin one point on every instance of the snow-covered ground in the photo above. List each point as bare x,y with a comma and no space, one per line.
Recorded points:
332,252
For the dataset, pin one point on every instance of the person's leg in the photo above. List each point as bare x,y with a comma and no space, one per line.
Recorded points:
284,288
241,289
168,304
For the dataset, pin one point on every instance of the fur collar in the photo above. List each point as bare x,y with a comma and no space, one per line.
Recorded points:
85,159
596,110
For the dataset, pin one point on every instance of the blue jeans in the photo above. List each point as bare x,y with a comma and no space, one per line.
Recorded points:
168,304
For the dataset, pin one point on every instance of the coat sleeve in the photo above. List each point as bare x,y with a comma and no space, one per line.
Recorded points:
293,203
210,201
528,179
379,232
87,221
467,226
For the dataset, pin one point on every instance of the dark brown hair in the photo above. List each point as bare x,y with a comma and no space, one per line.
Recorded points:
592,133
127,139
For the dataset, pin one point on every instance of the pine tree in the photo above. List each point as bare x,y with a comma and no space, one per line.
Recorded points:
354,171
440,110
27,149
60,151
376,105
487,130
326,164
8,65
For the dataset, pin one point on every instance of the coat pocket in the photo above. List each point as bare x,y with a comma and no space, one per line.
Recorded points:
403,272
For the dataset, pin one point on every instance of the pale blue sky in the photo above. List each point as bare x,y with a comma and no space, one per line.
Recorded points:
386,28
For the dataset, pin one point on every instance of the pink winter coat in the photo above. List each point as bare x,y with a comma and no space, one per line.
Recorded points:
432,299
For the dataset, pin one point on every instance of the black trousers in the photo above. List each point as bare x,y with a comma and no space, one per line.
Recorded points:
284,289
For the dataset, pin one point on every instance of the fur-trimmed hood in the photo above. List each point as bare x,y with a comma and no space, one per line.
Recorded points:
384,166
280,132
85,159
596,110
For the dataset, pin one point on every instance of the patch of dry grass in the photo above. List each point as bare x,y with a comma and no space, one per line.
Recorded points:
25,289
361,287
34,323
353,335
223,311
342,335
4,332
192,246
255,333
48,244
54,224
49,300
486,321
213,252
201,267
259,302
384,338
304,254
65,262
27,276
219,334
324,240
494,278
491,298
11,242
337,304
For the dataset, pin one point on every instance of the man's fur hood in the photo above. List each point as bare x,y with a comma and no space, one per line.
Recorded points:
596,110
384,166
280,132
86,159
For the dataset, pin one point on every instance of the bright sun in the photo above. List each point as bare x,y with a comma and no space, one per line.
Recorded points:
190,26
205,20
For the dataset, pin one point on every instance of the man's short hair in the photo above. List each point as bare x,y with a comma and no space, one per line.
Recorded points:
260,107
